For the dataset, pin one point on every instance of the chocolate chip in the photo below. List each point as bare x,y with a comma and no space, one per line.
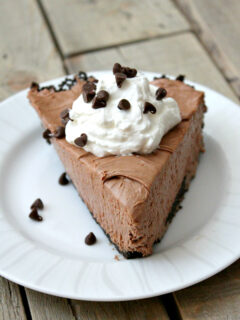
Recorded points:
64,114
148,107
35,216
81,141
88,96
63,179
89,91
120,77
89,86
180,77
124,104
161,93
100,101
103,95
34,85
38,204
47,135
130,73
90,239
117,68
82,75
59,133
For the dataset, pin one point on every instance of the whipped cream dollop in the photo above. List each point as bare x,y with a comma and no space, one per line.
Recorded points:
110,130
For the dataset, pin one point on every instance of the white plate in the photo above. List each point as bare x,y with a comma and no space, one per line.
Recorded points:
51,256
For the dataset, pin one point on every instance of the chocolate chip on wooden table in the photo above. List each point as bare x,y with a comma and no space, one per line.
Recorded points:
120,77
35,216
124,104
161,93
180,77
148,107
59,133
90,239
100,101
63,180
38,204
81,141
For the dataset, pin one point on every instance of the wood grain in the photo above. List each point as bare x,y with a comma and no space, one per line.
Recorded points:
179,54
217,298
26,52
82,25
11,306
46,307
217,24
148,309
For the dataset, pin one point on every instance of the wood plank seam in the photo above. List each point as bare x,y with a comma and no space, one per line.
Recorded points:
25,303
51,32
211,47
172,34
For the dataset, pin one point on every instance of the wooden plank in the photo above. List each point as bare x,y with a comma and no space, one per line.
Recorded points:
179,54
11,306
82,25
217,298
27,53
217,24
46,307
151,309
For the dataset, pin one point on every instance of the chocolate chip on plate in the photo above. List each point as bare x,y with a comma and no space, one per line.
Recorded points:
124,104
120,77
59,133
35,216
90,239
38,204
63,180
161,93
148,107
180,77
47,135
81,141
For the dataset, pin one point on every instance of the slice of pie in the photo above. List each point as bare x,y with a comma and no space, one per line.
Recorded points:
133,198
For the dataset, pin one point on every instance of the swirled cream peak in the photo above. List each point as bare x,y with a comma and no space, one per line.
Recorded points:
122,127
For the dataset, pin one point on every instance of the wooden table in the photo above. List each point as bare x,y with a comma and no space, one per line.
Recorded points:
42,39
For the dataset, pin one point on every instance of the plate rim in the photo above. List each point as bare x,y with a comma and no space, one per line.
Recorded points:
116,297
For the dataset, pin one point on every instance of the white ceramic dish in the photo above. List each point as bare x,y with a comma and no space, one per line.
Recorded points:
51,256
